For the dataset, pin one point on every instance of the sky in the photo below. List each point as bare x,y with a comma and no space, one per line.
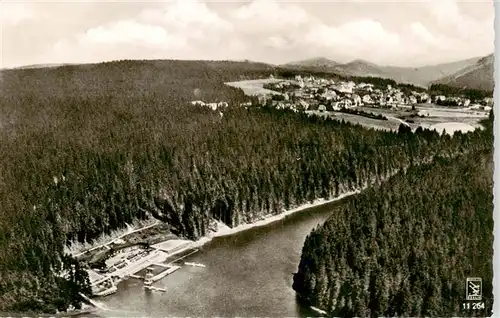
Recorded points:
399,33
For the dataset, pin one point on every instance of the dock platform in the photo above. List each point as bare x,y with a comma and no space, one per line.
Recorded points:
170,270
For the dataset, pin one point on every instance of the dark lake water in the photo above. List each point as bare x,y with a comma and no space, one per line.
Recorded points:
248,274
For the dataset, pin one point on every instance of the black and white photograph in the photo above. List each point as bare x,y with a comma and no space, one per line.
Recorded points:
247,158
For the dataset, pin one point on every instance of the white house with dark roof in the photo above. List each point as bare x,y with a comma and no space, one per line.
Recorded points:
367,99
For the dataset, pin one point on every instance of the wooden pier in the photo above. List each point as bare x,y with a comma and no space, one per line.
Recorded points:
169,270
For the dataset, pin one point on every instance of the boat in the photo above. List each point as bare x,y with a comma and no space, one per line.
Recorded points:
194,264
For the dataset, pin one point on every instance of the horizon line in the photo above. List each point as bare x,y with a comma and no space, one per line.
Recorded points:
290,63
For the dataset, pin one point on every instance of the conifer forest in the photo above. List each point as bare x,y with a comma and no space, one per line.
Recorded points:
87,149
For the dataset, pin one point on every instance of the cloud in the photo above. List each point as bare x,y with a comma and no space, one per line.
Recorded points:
181,14
272,31
187,19
452,22
277,42
131,32
261,16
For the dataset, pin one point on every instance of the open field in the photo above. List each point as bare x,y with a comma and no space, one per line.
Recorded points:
255,87
452,127
361,120
428,116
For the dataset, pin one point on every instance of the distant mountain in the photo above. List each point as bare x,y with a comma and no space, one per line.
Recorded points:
41,66
314,62
421,76
476,76
362,68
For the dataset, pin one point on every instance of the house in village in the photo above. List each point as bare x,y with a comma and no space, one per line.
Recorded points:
398,98
368,87
423,97
389,100
488,101
412,99
382,101
197,102
346,88
329,95
322,108
336,106
304,104
346,103
212,106
356,100
438,98
280,105
367,99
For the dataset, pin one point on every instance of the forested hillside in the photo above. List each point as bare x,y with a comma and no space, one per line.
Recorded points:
472,94
87,149
405,248
479,76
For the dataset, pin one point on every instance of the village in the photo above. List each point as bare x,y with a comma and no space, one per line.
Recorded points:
319,94
310,93
376,105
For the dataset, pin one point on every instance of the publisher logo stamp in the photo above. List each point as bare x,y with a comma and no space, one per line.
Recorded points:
474,288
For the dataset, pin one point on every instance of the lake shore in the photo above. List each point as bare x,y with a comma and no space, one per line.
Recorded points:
179,246
225,230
